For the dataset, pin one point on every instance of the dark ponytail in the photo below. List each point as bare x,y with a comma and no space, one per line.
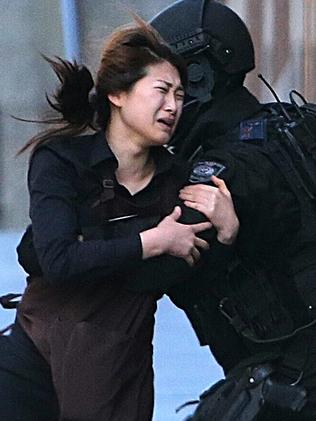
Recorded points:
72,97
73,100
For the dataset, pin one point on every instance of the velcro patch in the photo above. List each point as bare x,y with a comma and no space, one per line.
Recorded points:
253,130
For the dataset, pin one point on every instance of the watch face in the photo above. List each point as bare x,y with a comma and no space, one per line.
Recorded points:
203,171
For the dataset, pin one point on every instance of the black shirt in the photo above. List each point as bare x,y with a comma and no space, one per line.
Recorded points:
64,174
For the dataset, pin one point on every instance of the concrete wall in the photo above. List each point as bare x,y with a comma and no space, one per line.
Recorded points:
284,35
27,28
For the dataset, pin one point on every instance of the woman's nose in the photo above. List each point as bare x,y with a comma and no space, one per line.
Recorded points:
171,104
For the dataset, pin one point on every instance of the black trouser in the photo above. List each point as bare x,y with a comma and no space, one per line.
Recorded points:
26,391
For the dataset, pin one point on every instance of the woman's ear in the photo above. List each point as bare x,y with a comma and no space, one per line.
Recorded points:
116,99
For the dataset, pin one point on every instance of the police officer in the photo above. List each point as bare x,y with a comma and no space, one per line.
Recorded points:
259,319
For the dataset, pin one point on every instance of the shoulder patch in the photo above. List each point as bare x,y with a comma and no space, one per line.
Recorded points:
253,130
202,171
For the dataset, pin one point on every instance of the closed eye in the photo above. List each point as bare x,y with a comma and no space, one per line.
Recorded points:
180,97
162,89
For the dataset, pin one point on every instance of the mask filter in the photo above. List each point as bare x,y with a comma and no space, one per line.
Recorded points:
201,78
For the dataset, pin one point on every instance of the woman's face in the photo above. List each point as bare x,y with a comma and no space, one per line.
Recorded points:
149,112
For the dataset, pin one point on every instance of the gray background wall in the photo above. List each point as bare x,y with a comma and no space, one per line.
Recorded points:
283,31
27,28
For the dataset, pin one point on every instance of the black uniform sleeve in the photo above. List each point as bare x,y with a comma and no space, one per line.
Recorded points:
165,272
62,257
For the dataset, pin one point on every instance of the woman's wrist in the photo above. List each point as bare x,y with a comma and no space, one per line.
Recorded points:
152,243
228,236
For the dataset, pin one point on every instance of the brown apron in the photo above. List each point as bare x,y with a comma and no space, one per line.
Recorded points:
98,342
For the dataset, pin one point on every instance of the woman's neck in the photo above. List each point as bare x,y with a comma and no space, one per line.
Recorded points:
135,164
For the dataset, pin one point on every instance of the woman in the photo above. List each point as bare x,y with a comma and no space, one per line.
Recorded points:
98,204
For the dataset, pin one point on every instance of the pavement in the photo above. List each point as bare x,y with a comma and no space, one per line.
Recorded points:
183,369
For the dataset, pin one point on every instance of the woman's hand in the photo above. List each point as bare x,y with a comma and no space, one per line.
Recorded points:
171,237
216,204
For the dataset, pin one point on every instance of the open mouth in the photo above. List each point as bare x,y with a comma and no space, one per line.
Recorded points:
167,122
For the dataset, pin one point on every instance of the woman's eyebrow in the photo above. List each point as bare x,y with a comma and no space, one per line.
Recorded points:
180,87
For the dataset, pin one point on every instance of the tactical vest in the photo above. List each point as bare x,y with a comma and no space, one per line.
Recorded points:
264,305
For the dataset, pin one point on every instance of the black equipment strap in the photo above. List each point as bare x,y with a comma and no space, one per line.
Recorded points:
294,151
9,301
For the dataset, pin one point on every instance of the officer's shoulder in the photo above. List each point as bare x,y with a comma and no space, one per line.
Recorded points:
240,158
234,151
258,129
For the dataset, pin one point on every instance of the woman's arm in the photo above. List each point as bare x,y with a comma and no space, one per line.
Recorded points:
56,226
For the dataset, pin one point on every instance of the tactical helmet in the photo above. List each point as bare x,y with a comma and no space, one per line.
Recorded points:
211,37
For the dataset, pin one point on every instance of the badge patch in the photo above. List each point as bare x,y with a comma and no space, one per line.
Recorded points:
253,129
203,171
